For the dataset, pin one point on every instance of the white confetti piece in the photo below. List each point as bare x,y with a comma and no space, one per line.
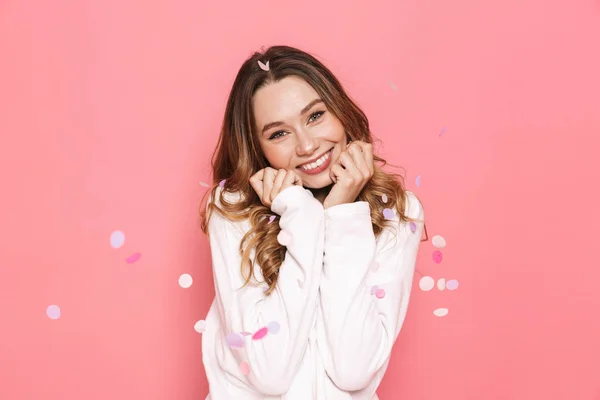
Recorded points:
273,327
441,284
53,312
392,85
374,289
438,241
264,67
384,198
200,326
426,283
117,239
204,184
452,284
284,238
440,312
185,281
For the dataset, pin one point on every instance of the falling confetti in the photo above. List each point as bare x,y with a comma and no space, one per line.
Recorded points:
418,181
261,333
452,284
438,241
133,258
185,281
246,333
117,239
374,289
244,368
222,183
392,85
53,312
380,293
234,340
284,238
264,67
384,198
437,256
271,219
413,227
273,327
442,132
388,213
200,326
426,283
265,288
204,184
440,312
441,284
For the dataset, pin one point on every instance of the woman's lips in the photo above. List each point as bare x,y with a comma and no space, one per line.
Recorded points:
320,168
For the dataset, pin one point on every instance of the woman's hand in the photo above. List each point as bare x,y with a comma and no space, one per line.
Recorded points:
268,182
350,173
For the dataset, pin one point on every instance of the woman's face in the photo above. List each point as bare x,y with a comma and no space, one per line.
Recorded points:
296,130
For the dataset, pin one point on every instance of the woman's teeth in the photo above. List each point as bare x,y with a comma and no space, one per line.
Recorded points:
318,163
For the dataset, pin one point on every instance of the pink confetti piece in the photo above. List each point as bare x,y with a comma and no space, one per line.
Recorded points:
273,327
271,219
246,333
388,214
413,227
452,284
222,183
261,333
384,198
284,238
437,256
264,67
234,340
374,289
244,368
133,258
380,293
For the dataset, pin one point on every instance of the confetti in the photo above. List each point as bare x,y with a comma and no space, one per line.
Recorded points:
380,293
374,289
246,333
117,239
271,219
264,67
234,340
426,283
273,327
133,258
200,326
265,288
438,241
261,333
392,85
284,238
53,312
440,312
413,227
441,284
222,183
388,214
443,130
437,256
384,198
418,181
244,368
204,184
185,281
452,284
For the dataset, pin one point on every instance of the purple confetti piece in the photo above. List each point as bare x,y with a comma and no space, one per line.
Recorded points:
437,256
133,258
271,219
261,333
418,181
413,227
374,289
388,214
442,132
273,327
53,312
234,340
452,284
222,183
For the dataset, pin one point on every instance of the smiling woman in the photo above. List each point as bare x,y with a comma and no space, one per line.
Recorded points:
295,145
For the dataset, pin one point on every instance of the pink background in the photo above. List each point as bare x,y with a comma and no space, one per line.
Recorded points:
110,111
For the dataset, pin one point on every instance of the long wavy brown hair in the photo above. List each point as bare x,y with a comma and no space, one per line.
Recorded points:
238,156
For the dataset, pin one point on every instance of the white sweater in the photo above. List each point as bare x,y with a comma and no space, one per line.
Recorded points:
331,332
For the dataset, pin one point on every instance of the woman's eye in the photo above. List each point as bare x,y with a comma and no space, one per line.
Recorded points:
316,115
276,135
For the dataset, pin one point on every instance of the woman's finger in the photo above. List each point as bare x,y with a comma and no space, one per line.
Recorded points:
277,182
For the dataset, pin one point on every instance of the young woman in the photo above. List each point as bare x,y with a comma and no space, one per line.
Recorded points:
313,245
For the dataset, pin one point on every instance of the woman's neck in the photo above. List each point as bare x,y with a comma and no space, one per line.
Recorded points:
321,194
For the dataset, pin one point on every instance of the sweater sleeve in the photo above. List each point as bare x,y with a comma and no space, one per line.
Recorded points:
289,311
357,325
